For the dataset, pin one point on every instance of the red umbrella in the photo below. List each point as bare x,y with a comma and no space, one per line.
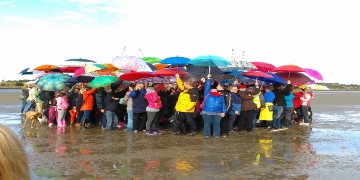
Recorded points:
263,66
169,72
70,69
295,78
289,68
256,74
133,76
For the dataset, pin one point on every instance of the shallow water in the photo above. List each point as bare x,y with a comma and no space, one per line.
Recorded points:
328,149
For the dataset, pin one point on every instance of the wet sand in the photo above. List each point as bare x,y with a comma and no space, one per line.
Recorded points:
328,149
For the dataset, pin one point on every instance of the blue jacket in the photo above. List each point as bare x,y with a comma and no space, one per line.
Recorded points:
235,104
269,97
213,103
289,100
139,102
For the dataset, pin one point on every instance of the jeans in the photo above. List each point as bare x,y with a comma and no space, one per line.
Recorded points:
111,120
27,107
190,120
276,121
152,118
215,121
305,110
85,117
130,121
103,120
24,102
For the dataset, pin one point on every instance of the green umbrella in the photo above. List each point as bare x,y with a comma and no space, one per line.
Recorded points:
151,60
102,81
52,82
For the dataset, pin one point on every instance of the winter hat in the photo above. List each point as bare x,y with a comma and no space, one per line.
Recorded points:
150,89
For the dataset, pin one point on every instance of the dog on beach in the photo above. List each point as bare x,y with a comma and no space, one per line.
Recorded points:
34,116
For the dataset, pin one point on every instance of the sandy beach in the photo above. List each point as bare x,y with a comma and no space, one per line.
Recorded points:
328,149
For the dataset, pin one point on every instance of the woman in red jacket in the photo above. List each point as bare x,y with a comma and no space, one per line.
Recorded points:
87,107
297,102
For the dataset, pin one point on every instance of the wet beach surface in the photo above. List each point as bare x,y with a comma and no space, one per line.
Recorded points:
328,149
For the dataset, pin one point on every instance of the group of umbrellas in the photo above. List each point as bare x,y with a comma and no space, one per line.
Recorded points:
156,70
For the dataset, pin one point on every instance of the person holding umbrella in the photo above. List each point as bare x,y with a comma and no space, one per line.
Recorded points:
186,102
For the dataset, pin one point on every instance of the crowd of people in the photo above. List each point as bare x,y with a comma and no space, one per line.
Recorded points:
186,106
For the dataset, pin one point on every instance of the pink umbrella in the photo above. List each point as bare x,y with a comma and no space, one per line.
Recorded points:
313,73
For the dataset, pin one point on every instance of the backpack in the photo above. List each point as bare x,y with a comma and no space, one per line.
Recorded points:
42,96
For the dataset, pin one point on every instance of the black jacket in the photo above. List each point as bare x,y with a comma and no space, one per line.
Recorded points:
279,95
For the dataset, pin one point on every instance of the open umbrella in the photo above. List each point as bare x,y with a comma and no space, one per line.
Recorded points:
274,79
289,68
69,69
151,66
102,81
202,71
109,67
263,66
46,67
236,65
132,63
209,61
133,76
89,69
80,79
160,66
151,60
256,74
313,73
176,60
52,82
81,60
169,72
295,78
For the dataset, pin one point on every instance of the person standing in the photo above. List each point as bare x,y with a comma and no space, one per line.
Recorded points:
280,93
139,107
186,102
214,109
25,91
152,111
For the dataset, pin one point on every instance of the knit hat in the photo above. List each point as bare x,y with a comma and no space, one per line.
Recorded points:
150,89
243,86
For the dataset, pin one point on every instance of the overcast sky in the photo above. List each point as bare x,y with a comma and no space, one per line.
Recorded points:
319,34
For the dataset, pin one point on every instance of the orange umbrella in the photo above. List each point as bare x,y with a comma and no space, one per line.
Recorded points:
110,67
46,67
160,66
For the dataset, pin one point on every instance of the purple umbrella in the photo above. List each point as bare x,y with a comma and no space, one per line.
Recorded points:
313,73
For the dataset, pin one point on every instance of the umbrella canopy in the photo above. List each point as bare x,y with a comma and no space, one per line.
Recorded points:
289,68
314,87
133,76
52,82
256,74
151,66
69,69
209,61
88,69
46,67
313,73
151,60
202,71
237,65
263,66
156,80
169,72
106,73
109,67
295,78
160,66
177,60
275,79
81,60
80,79
132,63
102,81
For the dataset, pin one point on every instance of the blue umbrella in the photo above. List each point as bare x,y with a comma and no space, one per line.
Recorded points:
182,61
275,79
202,72
152,67
209,61
80,79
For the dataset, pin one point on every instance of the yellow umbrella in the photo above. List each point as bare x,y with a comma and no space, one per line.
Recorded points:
315,86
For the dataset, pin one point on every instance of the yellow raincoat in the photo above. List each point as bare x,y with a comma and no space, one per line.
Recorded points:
187,98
